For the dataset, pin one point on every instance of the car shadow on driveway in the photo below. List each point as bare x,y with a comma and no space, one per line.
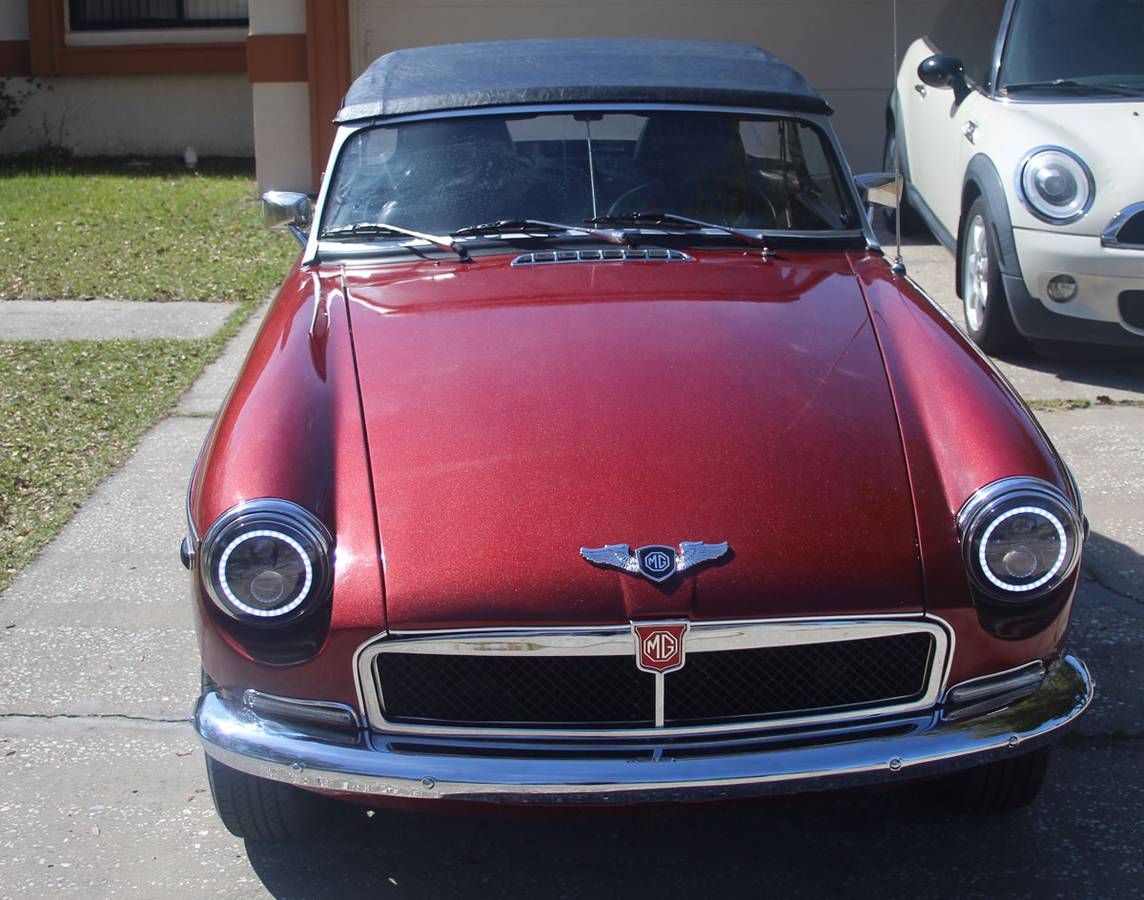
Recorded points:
1079,839
1116,369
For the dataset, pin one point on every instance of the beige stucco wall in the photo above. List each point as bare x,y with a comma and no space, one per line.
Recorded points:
98,115
282,135
277,16
843,47
282,109
13,20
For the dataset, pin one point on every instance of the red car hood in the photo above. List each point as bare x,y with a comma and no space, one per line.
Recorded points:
516,414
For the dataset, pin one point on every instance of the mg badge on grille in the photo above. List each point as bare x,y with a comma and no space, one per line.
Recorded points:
655,562
659,646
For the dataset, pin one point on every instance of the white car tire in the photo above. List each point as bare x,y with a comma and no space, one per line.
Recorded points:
987,317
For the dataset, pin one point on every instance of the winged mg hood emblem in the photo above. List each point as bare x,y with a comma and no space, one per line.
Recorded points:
654,562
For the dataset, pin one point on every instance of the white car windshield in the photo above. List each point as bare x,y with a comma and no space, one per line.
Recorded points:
1089,46
445,175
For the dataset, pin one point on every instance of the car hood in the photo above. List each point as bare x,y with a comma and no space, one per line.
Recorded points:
515,414
1108,136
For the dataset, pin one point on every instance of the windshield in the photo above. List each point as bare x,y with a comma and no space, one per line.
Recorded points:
444,175
1089,42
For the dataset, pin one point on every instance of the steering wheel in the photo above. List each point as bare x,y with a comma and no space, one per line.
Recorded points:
747,196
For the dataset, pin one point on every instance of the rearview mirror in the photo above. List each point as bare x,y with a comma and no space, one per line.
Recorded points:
286,209
944,70
879,189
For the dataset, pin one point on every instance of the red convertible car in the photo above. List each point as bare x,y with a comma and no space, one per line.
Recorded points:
593,452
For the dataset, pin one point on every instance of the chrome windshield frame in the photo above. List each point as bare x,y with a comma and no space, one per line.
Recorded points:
315,247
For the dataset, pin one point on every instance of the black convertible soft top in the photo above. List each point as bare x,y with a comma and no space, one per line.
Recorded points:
576,70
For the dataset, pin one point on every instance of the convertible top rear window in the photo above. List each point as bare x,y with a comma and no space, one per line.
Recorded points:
774,173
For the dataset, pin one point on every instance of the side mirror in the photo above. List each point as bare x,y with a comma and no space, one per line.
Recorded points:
944,70
286,209
879,189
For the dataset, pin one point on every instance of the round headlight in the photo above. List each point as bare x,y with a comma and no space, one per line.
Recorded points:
266,561
1055,185
1020,538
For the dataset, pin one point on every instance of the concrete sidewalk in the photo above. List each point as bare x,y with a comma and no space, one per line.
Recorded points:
104,789
105,320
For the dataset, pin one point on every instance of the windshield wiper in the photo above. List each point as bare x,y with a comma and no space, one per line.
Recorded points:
524,226
676,221
1067,84
378,229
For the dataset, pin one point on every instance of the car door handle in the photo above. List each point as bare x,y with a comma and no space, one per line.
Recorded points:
921,89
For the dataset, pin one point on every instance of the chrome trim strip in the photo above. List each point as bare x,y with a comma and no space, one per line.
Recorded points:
293,708
918,746
997,683
627,254
989,693
616,640
1110,237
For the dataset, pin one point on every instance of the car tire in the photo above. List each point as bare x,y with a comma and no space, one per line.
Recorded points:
913,225
987,317
255,809
997,787
259,810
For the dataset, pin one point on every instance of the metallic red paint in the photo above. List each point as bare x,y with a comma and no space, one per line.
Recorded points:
515,414
963,427
292,428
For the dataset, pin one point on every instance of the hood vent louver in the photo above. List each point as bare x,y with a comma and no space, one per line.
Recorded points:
653,254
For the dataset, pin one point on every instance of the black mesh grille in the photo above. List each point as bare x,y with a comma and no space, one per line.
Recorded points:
565,691
607,691
1132,231
1132,308
737,684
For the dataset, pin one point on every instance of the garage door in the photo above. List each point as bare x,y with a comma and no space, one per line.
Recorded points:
843,47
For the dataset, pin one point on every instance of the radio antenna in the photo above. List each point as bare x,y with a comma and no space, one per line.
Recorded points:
899,267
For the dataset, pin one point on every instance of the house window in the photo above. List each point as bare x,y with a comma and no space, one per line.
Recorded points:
105,15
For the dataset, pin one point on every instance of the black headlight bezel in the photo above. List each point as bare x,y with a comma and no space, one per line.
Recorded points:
299,526
999,499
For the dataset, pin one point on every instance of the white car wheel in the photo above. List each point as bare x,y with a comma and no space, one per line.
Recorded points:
987,317
975,274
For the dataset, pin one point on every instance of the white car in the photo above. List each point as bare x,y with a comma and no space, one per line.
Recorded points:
1021,126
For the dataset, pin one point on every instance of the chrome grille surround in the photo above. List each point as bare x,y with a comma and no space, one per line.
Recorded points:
1131,217
618,254
618,640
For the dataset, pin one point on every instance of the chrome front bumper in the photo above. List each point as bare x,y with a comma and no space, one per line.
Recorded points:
882,750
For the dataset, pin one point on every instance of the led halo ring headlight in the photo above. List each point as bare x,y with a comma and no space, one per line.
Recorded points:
267,562
1055,185
1020,538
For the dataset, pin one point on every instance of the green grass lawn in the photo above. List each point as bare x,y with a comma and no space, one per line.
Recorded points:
71,411
107,229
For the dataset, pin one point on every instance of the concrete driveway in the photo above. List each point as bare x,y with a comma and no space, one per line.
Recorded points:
101,781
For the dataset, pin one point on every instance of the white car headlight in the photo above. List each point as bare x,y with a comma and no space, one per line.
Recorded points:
1055,185
267,562
1020,538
